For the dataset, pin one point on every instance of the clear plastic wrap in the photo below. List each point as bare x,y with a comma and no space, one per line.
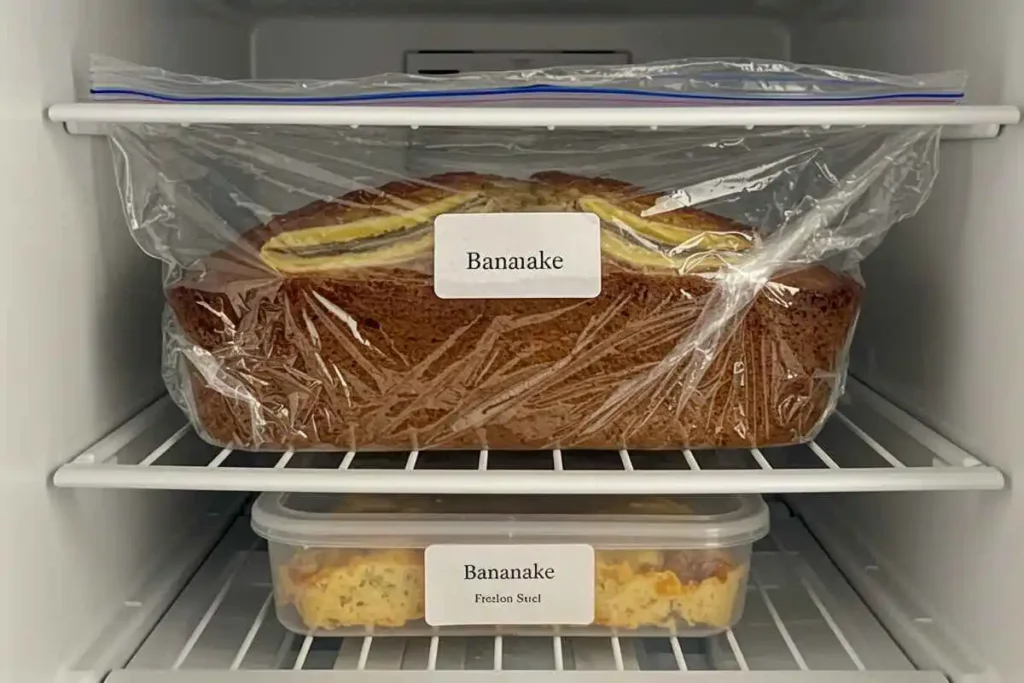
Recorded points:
682,82
301,283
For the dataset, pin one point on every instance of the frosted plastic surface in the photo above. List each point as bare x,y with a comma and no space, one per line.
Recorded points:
329,520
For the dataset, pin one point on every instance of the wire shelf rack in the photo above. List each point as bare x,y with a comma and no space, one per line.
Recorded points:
967,121
803,624
868,445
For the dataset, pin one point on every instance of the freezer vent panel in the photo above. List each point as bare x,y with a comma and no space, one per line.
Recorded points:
446,63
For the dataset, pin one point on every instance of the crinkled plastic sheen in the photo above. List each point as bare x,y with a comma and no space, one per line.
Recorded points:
302,313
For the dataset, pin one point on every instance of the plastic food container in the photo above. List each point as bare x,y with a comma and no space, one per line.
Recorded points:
476,565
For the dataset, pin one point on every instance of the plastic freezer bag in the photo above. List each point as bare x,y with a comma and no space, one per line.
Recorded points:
685,82
301,280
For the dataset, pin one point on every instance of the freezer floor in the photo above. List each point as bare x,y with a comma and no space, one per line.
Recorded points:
803,622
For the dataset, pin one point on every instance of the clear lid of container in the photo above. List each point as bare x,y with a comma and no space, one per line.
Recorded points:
412,521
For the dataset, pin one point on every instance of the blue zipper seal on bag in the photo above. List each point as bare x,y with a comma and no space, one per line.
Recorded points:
521,90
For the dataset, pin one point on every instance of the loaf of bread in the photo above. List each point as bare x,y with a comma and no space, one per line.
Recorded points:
321,330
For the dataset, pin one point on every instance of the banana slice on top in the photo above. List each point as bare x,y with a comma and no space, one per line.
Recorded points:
375,241
679,237
684,245
621,249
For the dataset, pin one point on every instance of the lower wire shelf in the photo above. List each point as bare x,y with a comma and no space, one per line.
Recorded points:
803,623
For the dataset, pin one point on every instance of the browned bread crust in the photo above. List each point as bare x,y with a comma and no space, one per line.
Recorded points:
369,358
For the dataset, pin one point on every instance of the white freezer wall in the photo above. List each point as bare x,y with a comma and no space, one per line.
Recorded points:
81,311
85,302
942,332
344,47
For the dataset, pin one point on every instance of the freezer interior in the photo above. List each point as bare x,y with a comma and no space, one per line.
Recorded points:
96,579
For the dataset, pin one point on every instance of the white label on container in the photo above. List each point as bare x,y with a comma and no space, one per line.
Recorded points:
517,256
518,585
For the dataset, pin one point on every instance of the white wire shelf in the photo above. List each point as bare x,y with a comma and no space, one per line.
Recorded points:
869,445
803,624
969,121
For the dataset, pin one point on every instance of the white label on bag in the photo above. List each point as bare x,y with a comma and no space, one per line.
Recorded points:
515,585
517,256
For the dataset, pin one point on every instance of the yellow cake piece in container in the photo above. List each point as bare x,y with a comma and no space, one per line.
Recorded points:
347,565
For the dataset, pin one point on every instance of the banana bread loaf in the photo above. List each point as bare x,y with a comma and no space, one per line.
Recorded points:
321,330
